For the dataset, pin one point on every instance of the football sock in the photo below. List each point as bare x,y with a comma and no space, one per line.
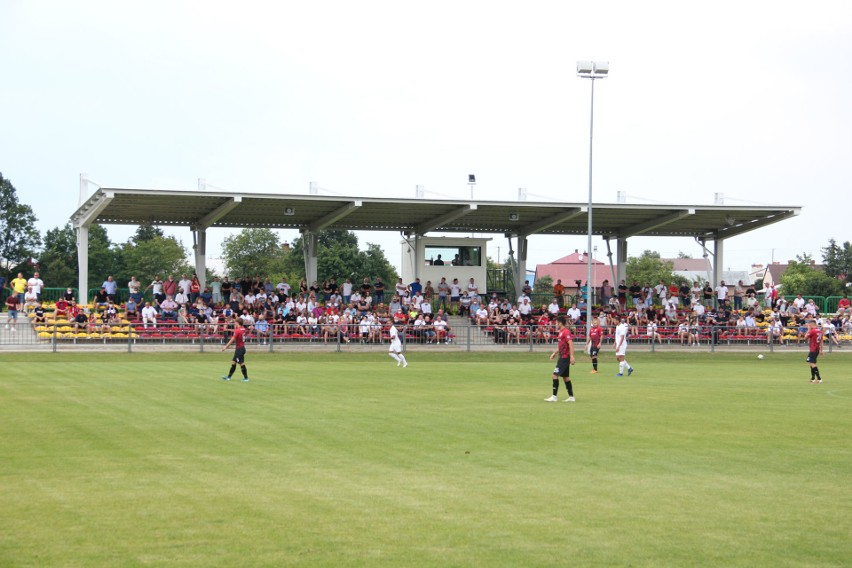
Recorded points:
394,356
813,373
402,359
816,370
245,371
555,386
626,364
568,387
231,372
595,363
621,366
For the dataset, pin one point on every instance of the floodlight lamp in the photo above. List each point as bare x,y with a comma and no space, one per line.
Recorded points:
585,67
471,178
601,68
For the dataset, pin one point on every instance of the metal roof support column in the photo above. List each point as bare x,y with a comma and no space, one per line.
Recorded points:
719,263
199,237
83,264
521,274
309,240
621,258
613,282
419,254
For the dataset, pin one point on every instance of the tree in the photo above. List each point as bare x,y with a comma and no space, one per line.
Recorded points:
802,278
648,269
59,267
154,256
103,259
338,257
146,232
253,252
543,285
19,239
838,260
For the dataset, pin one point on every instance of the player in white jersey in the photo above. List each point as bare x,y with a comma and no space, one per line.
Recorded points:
622,330
395,349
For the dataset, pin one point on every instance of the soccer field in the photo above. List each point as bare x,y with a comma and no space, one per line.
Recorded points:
346,460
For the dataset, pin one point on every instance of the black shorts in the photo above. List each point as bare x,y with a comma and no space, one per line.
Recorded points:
593,350
812,357
563,367
239,355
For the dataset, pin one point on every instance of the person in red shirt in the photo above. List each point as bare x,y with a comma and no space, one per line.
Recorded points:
843,304
814,337
594,344
565,350
239,341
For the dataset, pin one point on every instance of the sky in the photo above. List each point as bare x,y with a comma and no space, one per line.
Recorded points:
746,99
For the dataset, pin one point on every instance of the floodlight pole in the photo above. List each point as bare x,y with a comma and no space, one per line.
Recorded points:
590,70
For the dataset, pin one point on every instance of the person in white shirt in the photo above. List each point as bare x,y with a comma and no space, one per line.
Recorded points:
472,288
283,287
181,297
401,289
574,312
622,330
722,294
36,285
662,292
481,316
775,331
525,309
553,308
185,284
699,309
395,349
346,290
455,293
652,332
441,329
149,315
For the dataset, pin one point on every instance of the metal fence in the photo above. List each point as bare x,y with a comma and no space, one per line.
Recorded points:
65,336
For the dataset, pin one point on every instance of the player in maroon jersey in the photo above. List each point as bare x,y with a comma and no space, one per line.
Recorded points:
239,341
565,350
594,344
814,337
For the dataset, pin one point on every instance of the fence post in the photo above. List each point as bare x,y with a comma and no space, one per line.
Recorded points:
469,333
54,336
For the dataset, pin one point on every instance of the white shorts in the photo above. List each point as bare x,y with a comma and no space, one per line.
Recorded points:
621,351
395,346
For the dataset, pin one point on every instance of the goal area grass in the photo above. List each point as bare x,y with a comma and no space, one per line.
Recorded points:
345,459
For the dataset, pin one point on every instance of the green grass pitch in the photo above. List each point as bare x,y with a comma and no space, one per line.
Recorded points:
346,460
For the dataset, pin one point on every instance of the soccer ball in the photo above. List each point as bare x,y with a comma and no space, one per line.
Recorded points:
760,356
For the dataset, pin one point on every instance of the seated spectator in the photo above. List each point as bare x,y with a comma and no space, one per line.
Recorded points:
261,327
60,309
525,310
181,298
542,330
442,330
652,332
68,295
101,298
80,320
513,331
31,300
38,315
553,308
574,313
169,308
775,331
130,308
110,286
481,316
149,315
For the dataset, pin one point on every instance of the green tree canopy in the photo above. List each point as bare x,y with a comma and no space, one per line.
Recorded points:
155,255
19,238
649,269
253,252
59,267
338,257
802,278
838,260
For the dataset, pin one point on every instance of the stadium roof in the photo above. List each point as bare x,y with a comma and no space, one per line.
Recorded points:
203,209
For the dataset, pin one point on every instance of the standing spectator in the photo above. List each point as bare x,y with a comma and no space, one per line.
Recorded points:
622,295
739,291
170,286
111,287
19,287
401,289
443,293
722,294
194,288
606,293
12,304
346,291
415,287
455,293
558,292
473,289
2,289
662,292
216,291
707,292
157,288
379,291
134,287
635,294
36,285
227,289
184,285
